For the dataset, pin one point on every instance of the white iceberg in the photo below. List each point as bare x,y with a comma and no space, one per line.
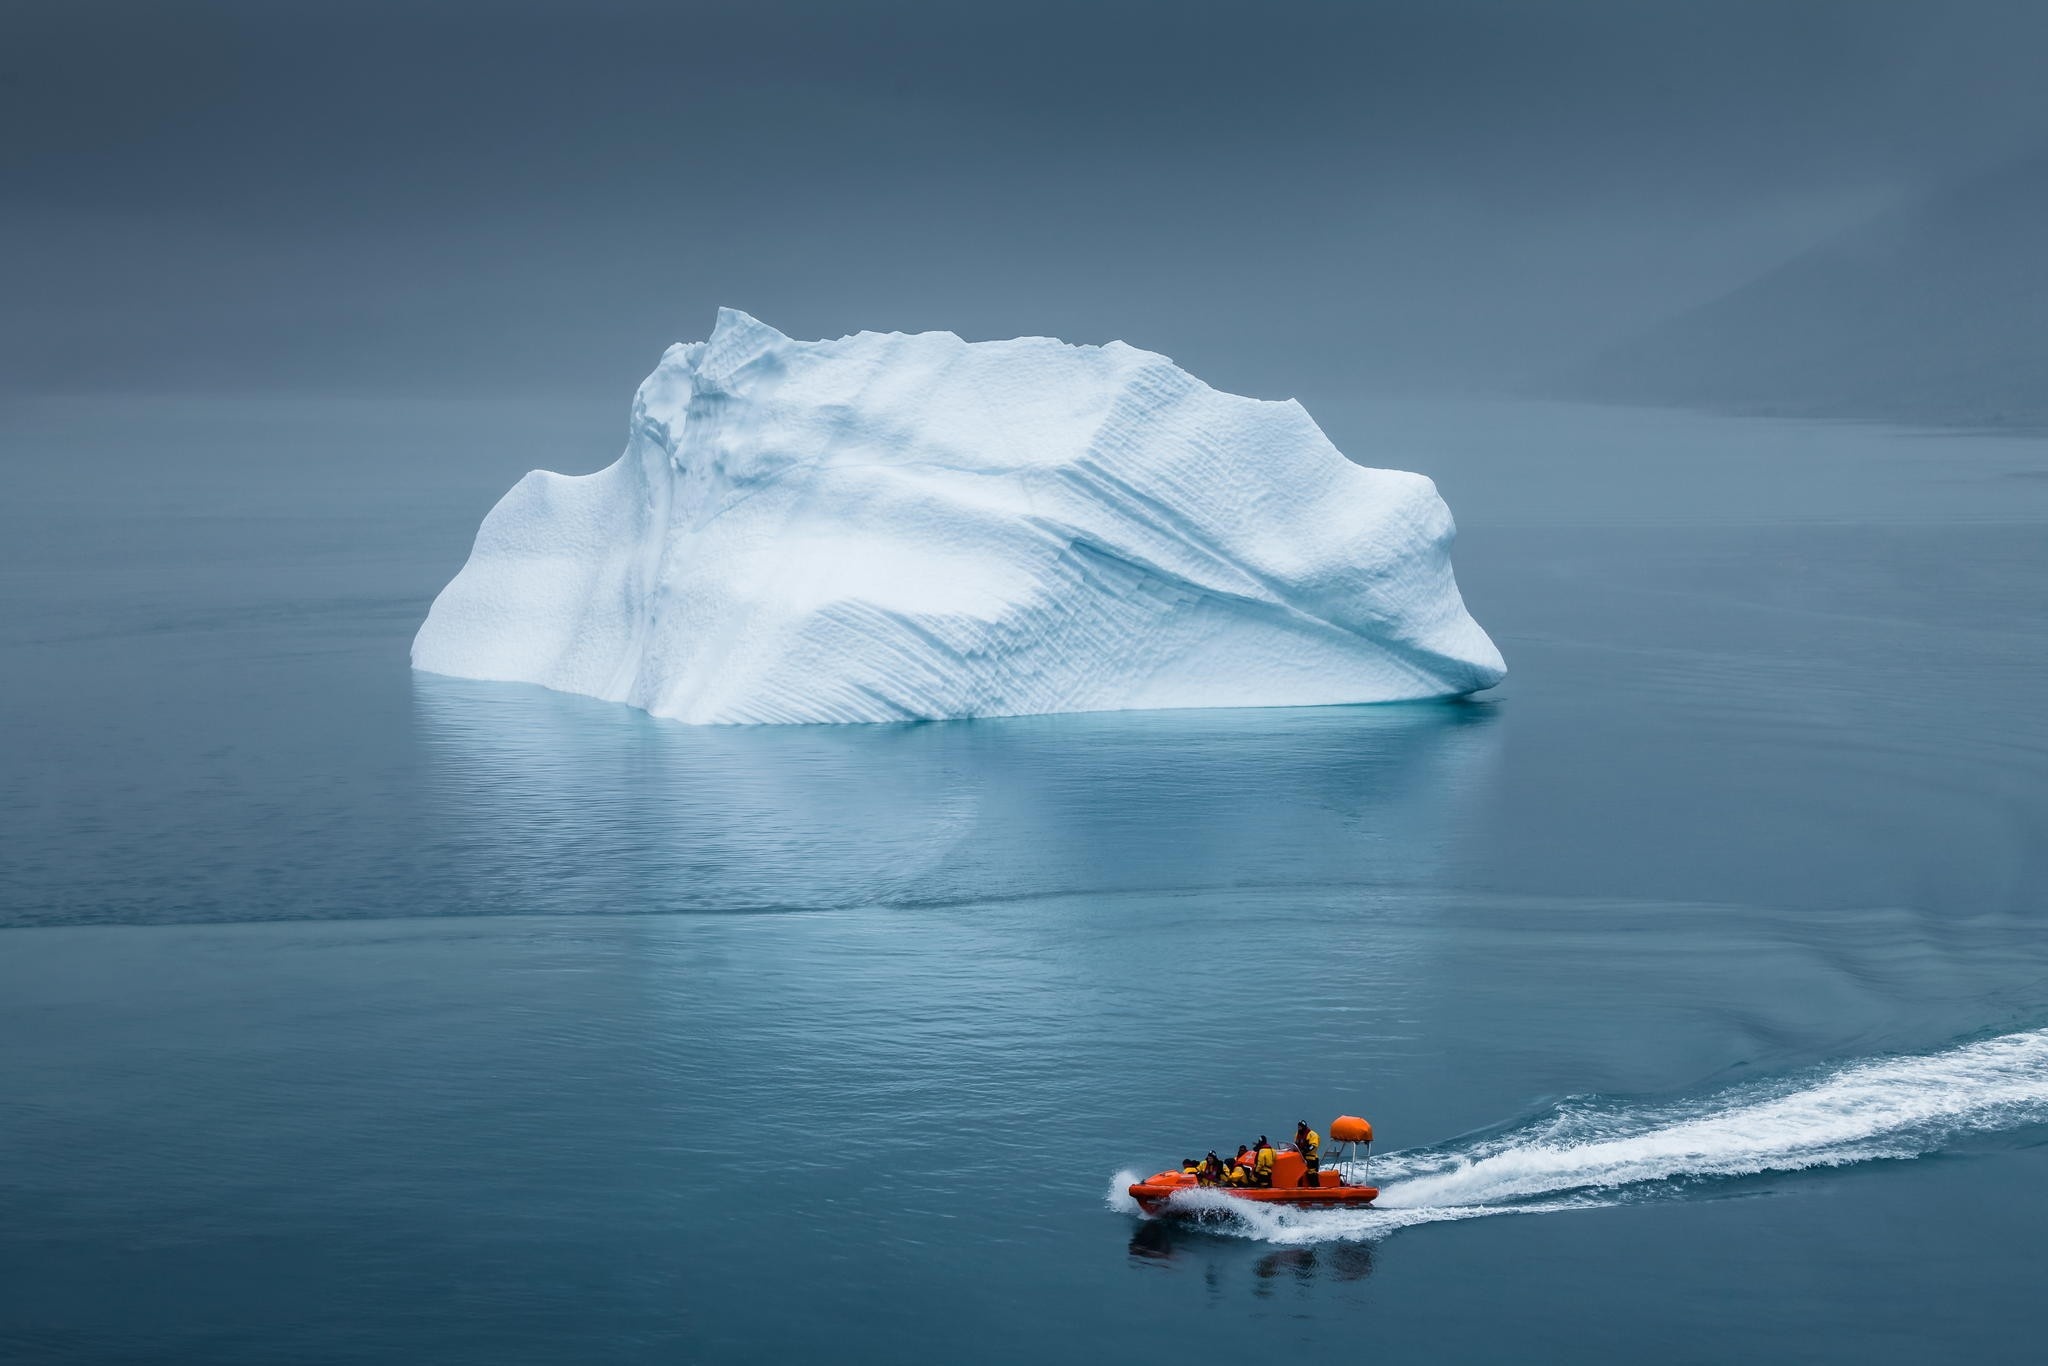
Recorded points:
891,527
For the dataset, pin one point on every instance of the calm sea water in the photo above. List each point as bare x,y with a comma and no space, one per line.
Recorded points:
1696,979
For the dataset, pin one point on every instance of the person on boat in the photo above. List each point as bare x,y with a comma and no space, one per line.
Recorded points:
1237,1174
1190,1167
1212,1170
1262,1165
1309,1144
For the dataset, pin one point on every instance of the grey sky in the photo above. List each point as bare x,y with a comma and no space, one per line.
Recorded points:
1299,198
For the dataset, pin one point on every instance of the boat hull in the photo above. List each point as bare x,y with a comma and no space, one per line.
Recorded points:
1155,1195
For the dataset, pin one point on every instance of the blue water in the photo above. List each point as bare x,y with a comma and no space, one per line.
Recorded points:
1695,980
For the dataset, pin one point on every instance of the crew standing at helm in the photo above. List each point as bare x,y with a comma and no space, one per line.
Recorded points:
1262,1167
1309,1144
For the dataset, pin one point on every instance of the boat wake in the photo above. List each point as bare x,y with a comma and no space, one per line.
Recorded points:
1590,1153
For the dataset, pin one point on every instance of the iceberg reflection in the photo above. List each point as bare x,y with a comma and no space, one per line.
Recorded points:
547,802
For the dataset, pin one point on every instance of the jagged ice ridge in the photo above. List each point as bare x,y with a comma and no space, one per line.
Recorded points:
890,527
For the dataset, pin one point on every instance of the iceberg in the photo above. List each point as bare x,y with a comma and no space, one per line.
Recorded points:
890,527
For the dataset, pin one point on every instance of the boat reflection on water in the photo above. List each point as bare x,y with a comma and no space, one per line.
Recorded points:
1337,1261
1165,1240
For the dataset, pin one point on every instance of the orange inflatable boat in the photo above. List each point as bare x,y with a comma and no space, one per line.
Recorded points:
1339,1185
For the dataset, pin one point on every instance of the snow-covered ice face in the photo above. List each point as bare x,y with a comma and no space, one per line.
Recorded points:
886,527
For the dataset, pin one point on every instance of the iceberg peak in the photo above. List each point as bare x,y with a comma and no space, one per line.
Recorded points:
894,526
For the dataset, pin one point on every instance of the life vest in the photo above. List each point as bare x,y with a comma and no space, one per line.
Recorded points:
1265,1162
1312,1145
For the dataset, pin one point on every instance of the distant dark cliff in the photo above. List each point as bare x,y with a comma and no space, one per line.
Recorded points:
1935,313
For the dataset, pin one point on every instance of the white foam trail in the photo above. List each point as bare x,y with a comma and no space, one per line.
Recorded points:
1591,1153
